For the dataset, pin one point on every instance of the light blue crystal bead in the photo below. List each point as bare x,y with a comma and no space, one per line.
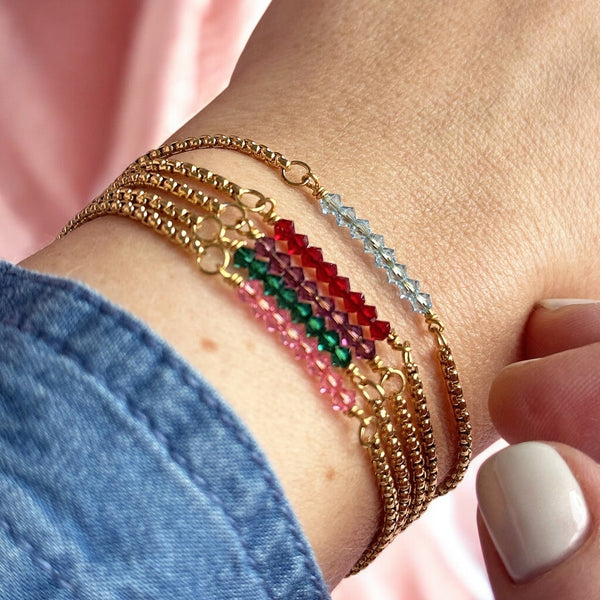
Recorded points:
368,244
330,204
396,273
335,199
386,259
412,286
345,215
359,228
326,208
372,243
424,301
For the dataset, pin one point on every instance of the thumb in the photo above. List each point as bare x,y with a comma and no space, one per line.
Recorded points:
554,395
539,503
539,507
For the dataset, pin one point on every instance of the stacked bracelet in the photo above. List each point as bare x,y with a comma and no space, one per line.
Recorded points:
327,325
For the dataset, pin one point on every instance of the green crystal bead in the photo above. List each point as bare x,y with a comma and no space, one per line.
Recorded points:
329,341
273,285
315,326
243,257
287,298
301,312
258,269
341,357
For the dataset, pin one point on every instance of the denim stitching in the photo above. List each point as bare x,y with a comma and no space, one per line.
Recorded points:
35,556
128,323
158,435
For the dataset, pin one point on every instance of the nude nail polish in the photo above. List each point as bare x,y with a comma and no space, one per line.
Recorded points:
533,508
556,303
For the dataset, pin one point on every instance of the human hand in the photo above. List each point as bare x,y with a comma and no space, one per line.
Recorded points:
467,133
541,502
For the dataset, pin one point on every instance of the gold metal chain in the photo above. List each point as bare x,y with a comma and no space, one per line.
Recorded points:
182,227
400,444
299,174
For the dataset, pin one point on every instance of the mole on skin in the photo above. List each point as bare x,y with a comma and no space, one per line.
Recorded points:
209,345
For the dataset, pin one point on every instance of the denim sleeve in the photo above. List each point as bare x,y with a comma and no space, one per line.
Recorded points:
123,474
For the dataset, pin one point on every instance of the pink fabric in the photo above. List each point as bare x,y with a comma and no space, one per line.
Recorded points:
85,87
95,84
436,557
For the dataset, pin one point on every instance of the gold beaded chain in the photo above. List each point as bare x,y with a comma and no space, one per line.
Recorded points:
388,433
307,179
155,174
181,228
423,464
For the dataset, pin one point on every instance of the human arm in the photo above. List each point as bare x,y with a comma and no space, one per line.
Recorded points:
474,133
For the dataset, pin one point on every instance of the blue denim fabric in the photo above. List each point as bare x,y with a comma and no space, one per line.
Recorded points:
123,475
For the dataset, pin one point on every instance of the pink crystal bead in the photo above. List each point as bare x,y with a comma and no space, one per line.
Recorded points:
311,348
302,352
344,400
248,290
317,361
330,384
270,323
323,363
292,336
267,303
280,319
311,367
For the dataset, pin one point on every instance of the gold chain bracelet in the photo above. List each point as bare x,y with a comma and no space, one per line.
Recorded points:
400,444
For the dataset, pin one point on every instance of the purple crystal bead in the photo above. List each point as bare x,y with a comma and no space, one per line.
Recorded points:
279,263
339,318
264,247
365,349
293,276
353,334
324,305
307,291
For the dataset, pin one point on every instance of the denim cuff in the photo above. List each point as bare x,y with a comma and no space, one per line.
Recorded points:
123,474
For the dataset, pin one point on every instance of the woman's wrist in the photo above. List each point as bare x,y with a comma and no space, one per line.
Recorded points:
315,454
392,143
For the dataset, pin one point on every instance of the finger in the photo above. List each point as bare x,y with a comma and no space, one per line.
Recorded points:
539,507
555,398
561,324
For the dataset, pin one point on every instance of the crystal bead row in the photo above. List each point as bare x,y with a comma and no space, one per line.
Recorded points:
305,349
385,258
327,273
287,298
295,277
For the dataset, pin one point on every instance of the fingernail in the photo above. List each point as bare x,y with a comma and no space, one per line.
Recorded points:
521,363
556,303
533,508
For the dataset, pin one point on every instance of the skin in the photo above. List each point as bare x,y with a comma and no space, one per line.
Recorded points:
467,133
555,398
